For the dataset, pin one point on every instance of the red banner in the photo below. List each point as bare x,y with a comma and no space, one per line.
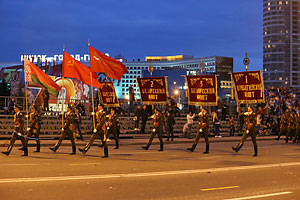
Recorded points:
202,89
249,86
153,90
107,94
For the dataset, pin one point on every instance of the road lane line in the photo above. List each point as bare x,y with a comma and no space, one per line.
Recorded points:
144,174
261,196
17,165
220,188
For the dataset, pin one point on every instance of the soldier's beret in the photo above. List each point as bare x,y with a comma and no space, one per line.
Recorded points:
18,106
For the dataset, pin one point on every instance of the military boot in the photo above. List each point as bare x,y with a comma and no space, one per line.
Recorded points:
192,148
161,147
206,149
105,152
8,150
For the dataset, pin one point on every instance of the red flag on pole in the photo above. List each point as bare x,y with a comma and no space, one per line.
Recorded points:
99,62
74,69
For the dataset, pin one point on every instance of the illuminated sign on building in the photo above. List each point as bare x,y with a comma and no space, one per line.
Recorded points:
57,57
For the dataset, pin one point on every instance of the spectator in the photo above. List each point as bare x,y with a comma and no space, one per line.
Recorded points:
11,105
45,95
137,117
144,116
190,119
232,128
78,122
216,123
131,98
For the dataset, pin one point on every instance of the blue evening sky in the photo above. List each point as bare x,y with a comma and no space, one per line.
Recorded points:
133,28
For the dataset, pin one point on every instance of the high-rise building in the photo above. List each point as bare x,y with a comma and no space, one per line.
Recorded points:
281,43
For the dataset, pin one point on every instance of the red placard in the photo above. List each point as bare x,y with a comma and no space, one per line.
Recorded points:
107,94
249,87
202,89
153,90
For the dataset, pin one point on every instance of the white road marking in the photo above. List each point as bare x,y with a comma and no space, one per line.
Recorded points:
261,196
145,174
17,165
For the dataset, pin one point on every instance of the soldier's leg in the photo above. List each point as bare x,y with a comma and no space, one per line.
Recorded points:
61,138
11,143
205,135
114,132
29,134
37,136
253,138
71,138
150,140
172,133
168,133
105,148
196,141
90,143
239,146
24,143
161,144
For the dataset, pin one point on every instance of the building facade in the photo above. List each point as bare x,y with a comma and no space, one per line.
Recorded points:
281,43
188,65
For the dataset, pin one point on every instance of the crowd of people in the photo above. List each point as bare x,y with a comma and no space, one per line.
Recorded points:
279,114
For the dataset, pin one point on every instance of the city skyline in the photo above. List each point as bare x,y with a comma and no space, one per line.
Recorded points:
134,29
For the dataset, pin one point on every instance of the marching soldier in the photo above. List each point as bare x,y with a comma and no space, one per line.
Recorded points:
157,129
291,127
202,130
18,131
67,131
250,130
34,118
99,131
283,126
111,127
297,134
170,123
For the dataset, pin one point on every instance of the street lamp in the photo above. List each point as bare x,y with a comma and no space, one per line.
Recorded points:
174,83
176,92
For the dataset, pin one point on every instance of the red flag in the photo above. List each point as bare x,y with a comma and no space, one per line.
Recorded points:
74,69
112,68
34,74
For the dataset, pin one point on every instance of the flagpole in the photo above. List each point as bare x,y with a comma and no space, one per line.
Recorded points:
26,102
63,94
93,112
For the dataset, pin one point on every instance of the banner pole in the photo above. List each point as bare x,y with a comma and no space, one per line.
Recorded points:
93,111
26,101
63,100
93,105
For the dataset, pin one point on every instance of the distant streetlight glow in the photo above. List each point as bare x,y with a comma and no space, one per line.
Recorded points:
174,83
176,92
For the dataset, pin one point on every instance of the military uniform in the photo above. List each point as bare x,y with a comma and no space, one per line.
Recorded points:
170,123
202,131
297,133
291,127
283,126
100,131
157,129
18,132
67,131
111,128
34,118
250,130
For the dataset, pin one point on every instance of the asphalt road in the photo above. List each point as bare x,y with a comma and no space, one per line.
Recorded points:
132,173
